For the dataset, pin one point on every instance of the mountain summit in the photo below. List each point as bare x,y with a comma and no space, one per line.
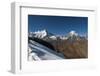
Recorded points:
40,34
73,33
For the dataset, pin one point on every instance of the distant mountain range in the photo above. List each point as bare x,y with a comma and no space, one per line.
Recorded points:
44,34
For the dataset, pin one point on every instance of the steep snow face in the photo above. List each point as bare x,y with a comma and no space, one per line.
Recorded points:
40,34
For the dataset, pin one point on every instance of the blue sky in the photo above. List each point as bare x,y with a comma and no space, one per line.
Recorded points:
59,25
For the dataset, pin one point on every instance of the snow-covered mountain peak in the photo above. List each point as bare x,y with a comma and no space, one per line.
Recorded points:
40,34
73,33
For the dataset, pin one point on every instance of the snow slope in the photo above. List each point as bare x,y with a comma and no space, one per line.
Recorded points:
43,52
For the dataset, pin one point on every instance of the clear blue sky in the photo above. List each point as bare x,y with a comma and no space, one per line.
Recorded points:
59,25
